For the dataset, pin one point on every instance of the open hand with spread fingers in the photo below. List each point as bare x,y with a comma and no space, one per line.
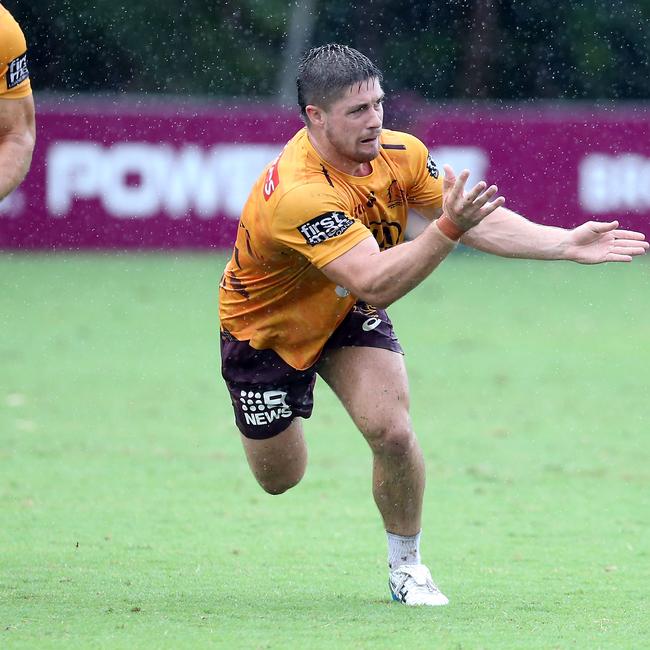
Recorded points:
594,242
467,209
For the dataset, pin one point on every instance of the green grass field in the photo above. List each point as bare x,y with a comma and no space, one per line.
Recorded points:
129,518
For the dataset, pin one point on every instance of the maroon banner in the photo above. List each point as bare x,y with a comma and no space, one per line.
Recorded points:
558,166
113,175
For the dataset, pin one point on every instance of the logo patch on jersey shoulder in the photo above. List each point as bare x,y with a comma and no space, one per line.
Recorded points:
17,71
431,167
324,227
272,179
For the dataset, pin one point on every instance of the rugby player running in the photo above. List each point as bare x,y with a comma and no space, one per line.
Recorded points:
17,126
320,255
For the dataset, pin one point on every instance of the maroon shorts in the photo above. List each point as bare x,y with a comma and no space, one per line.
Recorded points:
267,393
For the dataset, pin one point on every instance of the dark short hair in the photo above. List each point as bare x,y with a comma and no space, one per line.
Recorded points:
326,71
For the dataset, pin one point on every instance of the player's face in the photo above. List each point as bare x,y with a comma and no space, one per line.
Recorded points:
353,122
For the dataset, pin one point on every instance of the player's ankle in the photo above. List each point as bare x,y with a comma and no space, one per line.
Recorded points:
403,549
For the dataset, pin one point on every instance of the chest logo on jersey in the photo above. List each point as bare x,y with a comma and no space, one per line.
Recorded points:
17,71
324,227
386,233
395,195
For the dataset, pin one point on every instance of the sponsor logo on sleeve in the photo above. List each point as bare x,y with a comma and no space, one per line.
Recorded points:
324,227
431,167
17,71
272,179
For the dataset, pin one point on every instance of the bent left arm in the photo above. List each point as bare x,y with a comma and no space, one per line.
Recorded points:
508,234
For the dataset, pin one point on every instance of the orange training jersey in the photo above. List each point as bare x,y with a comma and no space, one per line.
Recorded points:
14,76
302,214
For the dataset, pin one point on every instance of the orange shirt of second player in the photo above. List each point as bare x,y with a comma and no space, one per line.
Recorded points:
14,75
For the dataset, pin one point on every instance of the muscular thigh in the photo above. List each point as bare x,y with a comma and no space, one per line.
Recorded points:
372,385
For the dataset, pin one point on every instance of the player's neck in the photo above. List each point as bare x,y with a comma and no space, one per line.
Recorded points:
333,158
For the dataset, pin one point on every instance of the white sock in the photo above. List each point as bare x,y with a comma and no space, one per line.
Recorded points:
403,550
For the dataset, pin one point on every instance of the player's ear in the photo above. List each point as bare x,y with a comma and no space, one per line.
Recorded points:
315,115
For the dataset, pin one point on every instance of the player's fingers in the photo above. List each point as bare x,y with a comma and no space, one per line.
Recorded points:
459,185
450,174
634,243
616,257
603,226
475,192
449,179
628,250
486,196
488,208
628,234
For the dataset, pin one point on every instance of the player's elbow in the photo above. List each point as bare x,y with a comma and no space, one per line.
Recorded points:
22,136
26,143
30,144
375,293
379,300
25,156
364,275
19,145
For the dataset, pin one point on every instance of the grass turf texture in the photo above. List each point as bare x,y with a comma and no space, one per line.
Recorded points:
130,520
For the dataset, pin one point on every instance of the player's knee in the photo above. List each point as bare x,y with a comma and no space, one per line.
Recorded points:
395,438
277,480
278,463
278,484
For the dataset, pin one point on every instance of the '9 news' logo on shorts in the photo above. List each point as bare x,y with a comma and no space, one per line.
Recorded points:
17,71
263,408
324,227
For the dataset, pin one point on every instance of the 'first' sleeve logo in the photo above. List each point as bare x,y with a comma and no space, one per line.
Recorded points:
17,71
324,227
